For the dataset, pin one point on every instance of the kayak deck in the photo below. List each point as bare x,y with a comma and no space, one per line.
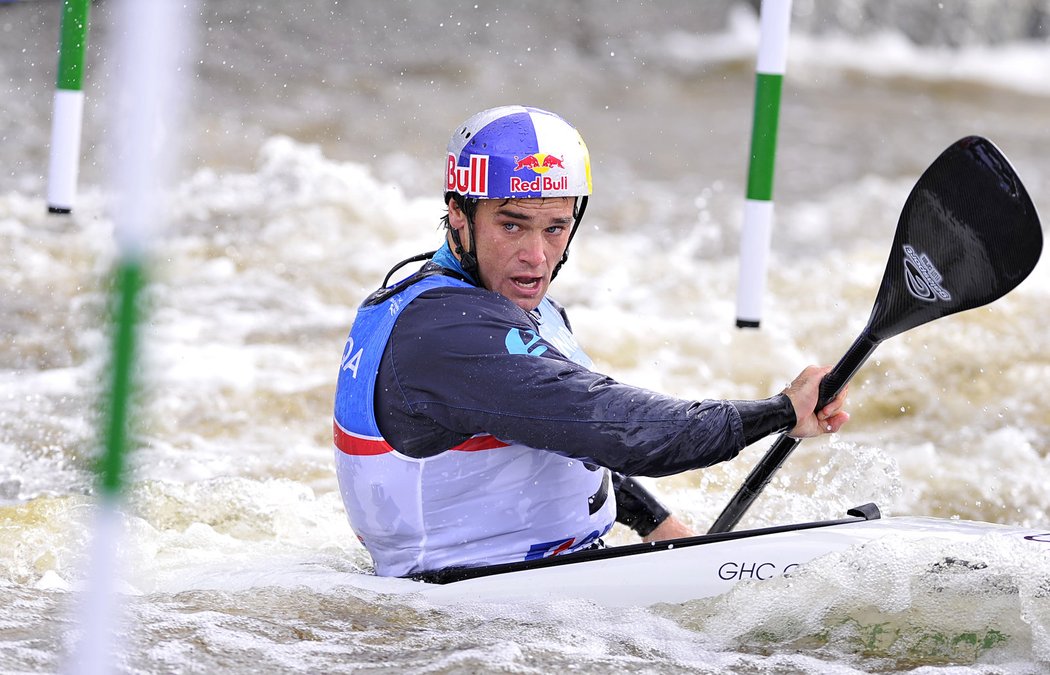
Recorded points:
694,567
454,574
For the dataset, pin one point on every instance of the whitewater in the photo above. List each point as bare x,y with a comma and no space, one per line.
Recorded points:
310,163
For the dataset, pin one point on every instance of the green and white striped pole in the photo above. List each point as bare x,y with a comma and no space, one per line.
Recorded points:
774,22
68,111
151,53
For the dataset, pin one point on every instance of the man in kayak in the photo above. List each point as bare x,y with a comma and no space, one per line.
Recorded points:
469,426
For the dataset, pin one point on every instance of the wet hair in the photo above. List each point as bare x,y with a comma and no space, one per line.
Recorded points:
468,205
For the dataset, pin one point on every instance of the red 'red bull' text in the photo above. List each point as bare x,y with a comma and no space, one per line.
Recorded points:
539,184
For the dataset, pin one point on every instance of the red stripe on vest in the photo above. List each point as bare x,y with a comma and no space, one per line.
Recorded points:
476,443
353,444
358,445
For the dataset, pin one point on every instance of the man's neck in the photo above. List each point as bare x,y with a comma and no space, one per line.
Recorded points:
448,260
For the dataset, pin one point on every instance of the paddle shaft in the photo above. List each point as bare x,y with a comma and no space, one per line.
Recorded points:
830,387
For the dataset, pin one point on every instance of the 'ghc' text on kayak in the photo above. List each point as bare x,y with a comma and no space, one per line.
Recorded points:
732,571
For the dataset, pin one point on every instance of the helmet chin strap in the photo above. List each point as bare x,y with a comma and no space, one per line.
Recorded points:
467,259
577,215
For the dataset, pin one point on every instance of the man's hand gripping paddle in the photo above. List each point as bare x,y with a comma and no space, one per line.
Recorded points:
968,235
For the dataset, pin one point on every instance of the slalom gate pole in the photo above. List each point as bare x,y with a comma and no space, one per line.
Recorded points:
775,22
68,109
151,55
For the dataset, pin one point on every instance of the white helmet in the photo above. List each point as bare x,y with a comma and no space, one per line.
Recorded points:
514,152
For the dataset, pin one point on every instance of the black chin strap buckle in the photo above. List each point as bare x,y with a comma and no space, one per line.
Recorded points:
467,260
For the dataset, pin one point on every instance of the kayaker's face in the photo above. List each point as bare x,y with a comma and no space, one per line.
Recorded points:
518,244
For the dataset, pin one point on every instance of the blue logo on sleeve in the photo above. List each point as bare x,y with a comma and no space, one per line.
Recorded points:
522,342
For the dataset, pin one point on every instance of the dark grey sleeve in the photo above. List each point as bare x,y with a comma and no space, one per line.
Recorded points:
765,417
636,507
447,375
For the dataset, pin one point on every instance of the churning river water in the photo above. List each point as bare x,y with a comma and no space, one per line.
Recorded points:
310,162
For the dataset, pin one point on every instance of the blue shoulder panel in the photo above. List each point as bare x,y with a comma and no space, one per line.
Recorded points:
354,394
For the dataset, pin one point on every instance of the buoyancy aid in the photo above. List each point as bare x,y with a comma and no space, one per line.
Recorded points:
481,502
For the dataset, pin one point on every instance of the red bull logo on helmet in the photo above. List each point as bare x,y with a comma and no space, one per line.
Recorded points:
539,163
472,179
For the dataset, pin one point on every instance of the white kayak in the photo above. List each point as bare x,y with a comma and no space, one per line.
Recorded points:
696,567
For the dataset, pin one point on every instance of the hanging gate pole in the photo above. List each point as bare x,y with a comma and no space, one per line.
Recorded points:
757,230
68,112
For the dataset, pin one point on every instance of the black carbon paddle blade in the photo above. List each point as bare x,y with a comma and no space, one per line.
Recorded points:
967,235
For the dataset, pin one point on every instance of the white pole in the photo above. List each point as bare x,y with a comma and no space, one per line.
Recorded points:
68,112
774,23
151,52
